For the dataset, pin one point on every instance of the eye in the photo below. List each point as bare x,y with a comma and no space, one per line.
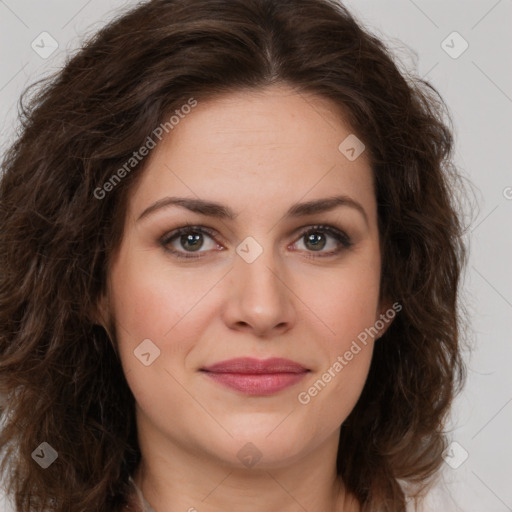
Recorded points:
190,238
185,241
316,238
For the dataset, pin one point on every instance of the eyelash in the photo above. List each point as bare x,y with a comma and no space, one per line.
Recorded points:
342,238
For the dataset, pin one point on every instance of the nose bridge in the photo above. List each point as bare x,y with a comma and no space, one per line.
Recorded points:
260,274
260,297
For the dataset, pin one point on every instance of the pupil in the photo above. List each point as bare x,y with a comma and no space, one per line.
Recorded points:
314,239
191,238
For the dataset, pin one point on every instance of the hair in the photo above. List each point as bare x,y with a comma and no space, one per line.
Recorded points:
60,372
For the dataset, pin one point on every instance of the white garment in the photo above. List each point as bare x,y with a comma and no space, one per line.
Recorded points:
146,507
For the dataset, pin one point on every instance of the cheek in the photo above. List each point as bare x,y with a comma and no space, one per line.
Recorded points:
333,390
344,300
145,308
150,298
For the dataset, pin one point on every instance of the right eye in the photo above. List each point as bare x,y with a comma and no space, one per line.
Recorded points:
190,239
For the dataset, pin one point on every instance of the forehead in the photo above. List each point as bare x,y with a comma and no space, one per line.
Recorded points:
274,145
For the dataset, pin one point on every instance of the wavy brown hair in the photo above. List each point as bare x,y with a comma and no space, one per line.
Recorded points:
60,373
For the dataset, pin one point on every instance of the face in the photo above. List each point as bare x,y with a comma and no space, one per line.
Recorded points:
254,276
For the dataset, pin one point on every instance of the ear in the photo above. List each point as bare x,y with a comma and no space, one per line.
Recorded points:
100,315
99,312
387,312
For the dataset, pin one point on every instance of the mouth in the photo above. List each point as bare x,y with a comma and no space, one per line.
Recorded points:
256,376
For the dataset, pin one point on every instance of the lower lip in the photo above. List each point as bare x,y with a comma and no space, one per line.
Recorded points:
257,384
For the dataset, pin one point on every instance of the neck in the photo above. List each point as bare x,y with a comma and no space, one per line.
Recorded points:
172,478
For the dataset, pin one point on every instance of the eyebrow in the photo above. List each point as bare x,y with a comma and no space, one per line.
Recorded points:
213,209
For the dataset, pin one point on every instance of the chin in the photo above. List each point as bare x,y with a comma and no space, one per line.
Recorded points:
257,449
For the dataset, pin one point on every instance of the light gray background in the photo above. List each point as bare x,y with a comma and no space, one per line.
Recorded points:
478,89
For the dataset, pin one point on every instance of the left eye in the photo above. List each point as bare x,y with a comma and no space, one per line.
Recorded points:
315,239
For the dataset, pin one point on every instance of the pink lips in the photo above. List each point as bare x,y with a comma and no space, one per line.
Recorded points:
256,376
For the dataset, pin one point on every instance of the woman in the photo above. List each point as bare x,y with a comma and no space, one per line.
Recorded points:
230,269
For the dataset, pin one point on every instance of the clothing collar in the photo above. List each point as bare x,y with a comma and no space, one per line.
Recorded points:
146,507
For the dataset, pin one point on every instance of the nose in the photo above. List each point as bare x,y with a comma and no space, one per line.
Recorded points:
260,300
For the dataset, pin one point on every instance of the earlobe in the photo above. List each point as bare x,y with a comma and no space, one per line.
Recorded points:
387,313
99,313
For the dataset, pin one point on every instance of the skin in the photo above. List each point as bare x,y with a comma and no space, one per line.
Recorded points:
257,152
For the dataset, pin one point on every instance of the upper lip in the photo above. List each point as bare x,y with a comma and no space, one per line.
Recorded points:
254,366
